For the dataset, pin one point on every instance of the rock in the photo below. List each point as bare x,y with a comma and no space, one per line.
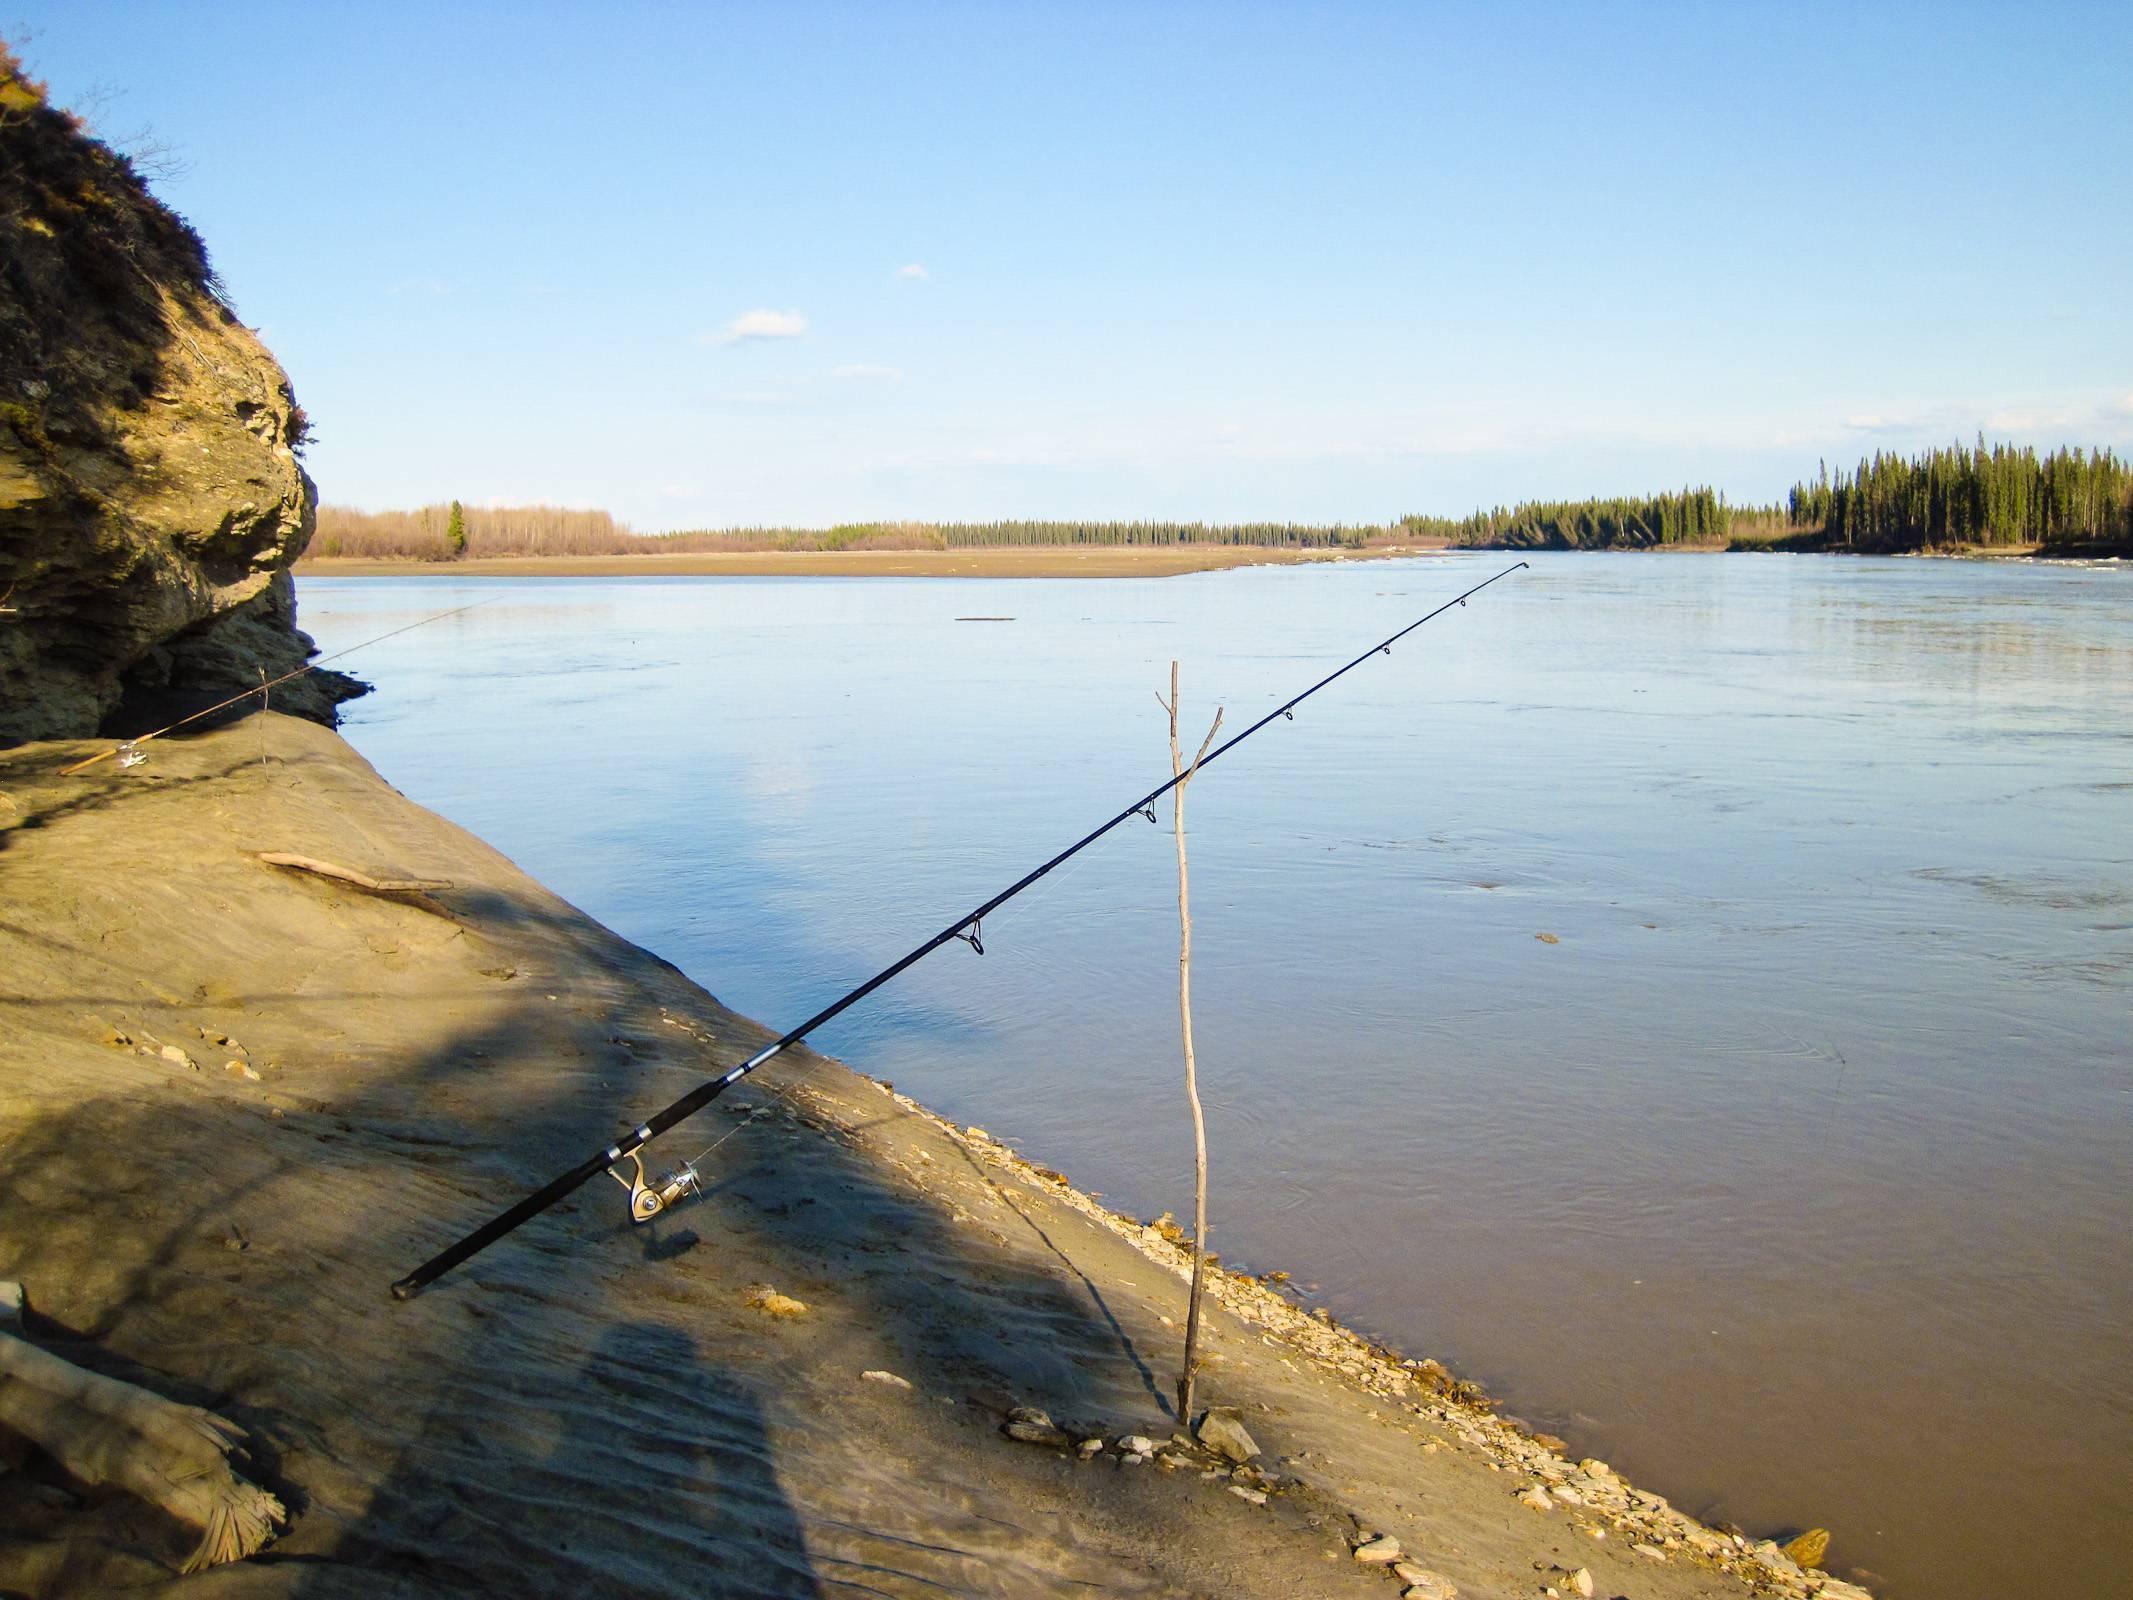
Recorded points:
1090,1447
1580,1582
1222,1431
1382,1551
178,1058
889,1378
1810,1549
244,1070
151,499
1649,1551
763,1298
1431,1586
1032,1426
1409,1571
1137,1444
1569,1496
1256,1497
1537,1498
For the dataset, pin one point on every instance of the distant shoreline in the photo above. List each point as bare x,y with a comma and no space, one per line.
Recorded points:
998,561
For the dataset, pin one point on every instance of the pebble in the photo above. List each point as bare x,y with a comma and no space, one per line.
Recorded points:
889,1378
178,1058
1537,1498
1431,1586
1242,1493
241,1069
1409,1571
1581,1582
1137,1444
1650,1550
1380,1552
1090,1447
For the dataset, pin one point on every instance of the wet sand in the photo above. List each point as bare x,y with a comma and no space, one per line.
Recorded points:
237,1101
1015,561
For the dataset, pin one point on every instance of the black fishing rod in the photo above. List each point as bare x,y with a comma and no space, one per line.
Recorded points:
648,1200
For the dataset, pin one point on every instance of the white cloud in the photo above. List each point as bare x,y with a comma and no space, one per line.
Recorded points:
913,271
867,374
2121,407
761,324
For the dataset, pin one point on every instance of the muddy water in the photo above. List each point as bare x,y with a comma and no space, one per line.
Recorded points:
1793,1173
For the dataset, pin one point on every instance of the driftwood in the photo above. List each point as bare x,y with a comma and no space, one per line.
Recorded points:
362,880
106,1432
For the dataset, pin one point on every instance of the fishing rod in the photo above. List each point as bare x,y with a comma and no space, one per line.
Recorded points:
648,1200
129,752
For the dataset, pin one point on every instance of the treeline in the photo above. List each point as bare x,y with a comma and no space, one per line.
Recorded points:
1990,496
426,535
1996,496
1692,517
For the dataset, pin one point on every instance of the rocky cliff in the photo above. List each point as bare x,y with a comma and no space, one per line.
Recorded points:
151,498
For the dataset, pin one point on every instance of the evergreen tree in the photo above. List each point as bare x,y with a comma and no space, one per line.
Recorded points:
455,530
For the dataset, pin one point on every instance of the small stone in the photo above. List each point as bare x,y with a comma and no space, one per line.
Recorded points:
1090,1447
1137,1444
889,1378
1252,1495
1568,1496
1650,1551
767,1300
178,1058
1409,1571
1811,1548
1382,1551
1537,1498
1431,1586
1581,1582
117,1038
1222,1431
241,1069
1032,1426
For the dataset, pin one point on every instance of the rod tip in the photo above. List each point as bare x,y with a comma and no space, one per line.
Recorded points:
406,1289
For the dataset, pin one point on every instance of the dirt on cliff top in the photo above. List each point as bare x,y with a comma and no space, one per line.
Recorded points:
238,1100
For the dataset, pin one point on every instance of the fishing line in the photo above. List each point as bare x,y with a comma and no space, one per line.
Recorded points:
129,751
648,1200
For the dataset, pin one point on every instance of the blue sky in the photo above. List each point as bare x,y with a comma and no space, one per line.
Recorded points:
709,265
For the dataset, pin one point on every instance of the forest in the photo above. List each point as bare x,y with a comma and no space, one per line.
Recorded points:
1945,499
1692,517
1993,497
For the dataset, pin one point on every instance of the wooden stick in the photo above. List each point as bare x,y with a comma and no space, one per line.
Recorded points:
1184,776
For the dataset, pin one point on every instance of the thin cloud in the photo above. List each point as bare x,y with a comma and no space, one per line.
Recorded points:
913,271
762,324
867,374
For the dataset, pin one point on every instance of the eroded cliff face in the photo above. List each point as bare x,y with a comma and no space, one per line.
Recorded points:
151,499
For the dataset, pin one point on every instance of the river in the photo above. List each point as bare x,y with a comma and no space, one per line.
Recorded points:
1791,1172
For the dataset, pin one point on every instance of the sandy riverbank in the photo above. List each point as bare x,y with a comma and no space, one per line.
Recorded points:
237,1101
1014,561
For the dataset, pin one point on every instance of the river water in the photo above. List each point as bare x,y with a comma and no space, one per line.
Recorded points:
1793,1173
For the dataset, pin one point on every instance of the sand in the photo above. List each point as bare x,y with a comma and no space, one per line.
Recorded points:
1021,561
238,1100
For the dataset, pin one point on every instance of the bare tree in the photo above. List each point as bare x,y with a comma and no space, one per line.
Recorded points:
1184,775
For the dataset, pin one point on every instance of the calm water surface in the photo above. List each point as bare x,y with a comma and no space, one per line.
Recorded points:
1796,1179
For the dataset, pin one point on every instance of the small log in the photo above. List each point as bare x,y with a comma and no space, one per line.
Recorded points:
361,880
